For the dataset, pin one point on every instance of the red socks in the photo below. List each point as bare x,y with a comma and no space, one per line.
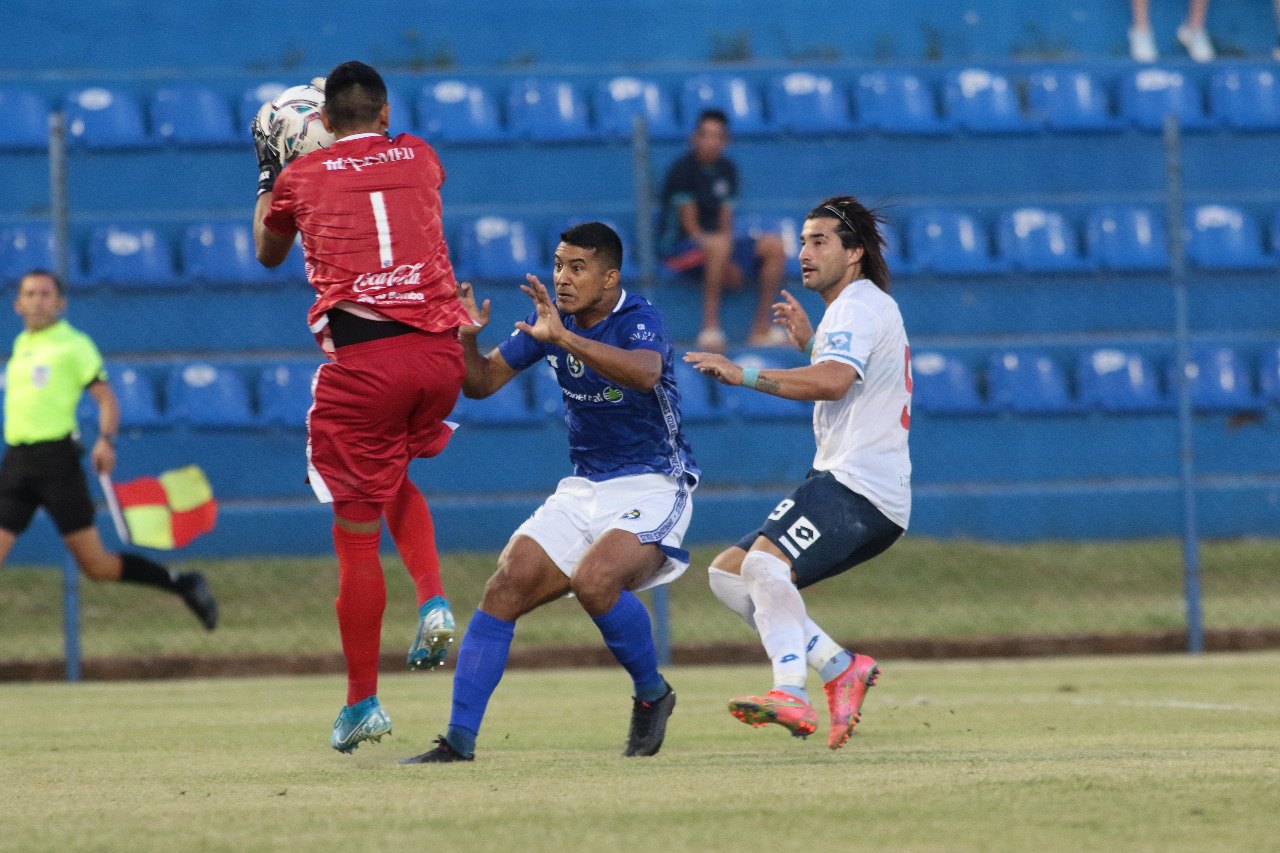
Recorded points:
409,520
362,596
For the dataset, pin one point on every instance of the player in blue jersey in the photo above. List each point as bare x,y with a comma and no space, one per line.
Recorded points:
615,526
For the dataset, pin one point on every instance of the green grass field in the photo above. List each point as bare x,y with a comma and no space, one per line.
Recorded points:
1133,753
919,588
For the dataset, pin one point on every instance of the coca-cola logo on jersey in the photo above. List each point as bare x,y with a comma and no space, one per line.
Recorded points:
405,274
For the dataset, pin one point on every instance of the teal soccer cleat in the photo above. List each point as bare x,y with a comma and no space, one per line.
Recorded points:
435,633
364,720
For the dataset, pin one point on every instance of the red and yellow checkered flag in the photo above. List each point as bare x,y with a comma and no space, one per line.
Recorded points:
163,512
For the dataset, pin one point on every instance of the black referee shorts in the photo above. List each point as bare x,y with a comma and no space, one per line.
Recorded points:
46,474
825,528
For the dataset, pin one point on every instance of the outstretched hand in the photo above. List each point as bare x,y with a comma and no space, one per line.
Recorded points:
479,315
548,327
716,366
790,315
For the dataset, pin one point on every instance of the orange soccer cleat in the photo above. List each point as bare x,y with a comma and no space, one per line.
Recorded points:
795,715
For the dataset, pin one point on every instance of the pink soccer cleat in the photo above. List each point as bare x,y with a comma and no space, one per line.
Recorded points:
845,693
795,715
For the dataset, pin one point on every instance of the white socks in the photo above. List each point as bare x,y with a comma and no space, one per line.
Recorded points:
823,654
779,616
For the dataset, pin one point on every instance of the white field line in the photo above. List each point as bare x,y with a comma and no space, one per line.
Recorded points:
1079,701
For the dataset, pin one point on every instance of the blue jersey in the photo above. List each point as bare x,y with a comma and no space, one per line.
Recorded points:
615,431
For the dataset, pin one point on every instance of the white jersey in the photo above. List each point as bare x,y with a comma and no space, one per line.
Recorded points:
862,437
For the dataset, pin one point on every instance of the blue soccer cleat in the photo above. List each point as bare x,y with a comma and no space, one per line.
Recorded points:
364,720
435,634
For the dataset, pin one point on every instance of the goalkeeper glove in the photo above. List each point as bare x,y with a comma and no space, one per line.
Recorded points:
267,146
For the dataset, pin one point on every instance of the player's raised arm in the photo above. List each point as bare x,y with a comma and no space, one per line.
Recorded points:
485,374
827,380
638,369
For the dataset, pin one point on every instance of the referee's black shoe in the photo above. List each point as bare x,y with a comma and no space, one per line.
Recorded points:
194,590
442,753
649,724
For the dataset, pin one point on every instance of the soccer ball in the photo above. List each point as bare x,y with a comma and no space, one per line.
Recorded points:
292,120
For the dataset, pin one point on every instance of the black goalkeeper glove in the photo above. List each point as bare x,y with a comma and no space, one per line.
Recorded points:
268,150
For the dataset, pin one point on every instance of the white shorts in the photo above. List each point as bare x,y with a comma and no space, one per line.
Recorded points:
655,507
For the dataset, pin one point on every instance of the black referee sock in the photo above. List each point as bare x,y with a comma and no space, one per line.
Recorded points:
138,569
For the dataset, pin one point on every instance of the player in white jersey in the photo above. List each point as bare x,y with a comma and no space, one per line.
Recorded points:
856,501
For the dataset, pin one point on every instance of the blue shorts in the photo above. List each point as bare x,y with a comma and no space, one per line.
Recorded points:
825,528
688,256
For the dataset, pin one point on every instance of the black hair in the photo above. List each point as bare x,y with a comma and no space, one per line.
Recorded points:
857,226
713,114
354,94
598,236
57,282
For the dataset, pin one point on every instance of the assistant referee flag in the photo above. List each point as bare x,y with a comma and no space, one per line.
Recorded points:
167,511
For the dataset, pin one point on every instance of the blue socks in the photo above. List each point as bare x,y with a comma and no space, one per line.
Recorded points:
482,657
629,635
835,666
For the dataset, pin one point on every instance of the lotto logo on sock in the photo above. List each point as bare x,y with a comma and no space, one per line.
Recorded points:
789,659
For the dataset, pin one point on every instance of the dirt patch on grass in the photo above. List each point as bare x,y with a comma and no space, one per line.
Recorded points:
551,657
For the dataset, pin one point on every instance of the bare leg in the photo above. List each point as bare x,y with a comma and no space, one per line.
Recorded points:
772,256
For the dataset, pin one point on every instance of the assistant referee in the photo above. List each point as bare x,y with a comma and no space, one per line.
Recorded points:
52,364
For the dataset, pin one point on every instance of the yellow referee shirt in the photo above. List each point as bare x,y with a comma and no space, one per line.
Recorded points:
44,379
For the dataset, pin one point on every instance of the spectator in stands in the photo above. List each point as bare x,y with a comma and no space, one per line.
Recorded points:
615,526
1192,33
696,232
53,363
387,310
857,500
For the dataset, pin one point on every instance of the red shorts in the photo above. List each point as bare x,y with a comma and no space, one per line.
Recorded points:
379,405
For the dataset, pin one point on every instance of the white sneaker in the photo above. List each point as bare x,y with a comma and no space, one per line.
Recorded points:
711,339
1142,45
1197,44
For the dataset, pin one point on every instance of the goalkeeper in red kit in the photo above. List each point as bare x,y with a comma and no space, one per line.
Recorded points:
387,312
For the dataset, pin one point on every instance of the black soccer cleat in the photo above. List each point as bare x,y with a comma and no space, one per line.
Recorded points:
194,590
649,724
442,753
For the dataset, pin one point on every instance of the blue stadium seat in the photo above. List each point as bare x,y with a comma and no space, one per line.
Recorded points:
1028,382
98,117
898,102
1225,237
894,252
696,405
950,242
284,393
497,247
983,101
1246,98
754,224
203,394
545,110
401,113
1271,376
1114,380
222,253
136,395
736,96
619,100
630,268
252,100
1033,239
1071,100
26,119
509,406
1148,94
1124,237
944,385
1275,233
193,115
1220,381
752,405
130,256
801,102
23,248
457,111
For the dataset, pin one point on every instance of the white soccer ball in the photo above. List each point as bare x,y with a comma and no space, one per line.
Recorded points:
292,119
